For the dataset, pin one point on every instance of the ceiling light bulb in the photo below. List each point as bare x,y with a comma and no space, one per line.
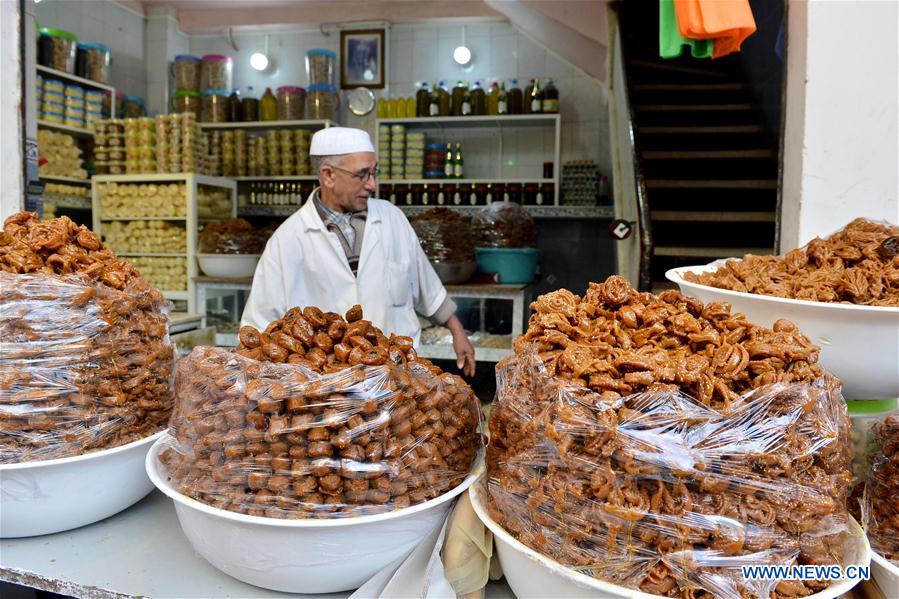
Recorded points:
462,55
259,61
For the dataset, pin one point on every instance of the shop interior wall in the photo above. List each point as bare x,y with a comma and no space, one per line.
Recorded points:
120,28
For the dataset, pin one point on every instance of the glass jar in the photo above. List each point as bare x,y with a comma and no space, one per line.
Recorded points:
56,49
320,66
92,61
187,72
132,107
217,72
291,103
321,102
215,106
187,101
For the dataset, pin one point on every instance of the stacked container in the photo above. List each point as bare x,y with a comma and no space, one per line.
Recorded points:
322,100
73,115
415,155
188,71
384,160
397,151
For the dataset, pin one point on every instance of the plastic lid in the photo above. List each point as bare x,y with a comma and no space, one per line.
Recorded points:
59,33
871,406
321,52
290,89
186,93
217,58
188,58
216,92
435,146
321,87
93,46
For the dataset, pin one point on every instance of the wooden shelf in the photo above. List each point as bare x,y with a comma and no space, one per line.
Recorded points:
302,124
64,180
76,131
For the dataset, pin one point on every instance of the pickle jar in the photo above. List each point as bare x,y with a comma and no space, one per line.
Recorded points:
320,66
56,49
92,61
187,101
187,72
215,106
291,103
217,72
322,102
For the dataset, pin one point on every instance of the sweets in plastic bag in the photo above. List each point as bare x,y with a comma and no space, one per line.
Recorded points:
445,235
880,501
319,416
858,264
85,358
504,225
660,444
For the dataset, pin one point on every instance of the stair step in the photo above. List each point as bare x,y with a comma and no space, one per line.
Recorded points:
698,154
674,67
692,87
699,130
707,252
711,183
693,107
730,217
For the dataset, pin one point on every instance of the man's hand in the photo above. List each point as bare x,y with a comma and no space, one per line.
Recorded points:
462,346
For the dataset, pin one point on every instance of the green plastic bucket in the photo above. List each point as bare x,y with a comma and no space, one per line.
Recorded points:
513,265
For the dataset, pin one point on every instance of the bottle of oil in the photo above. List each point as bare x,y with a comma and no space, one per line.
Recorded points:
478,99
466,103
493,99
526,102
422,100
550,98
536,98
458,96
515,98
268,106
502,99
458,163
443,97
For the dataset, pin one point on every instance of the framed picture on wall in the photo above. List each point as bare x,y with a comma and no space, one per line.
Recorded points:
362,58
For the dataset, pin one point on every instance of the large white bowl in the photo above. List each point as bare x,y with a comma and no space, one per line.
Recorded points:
859,344
38,498
228,265
304,556
531,574
885,574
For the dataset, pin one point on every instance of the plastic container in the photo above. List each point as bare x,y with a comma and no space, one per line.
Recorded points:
885,574
188,70
512,265
215,106
308,555
320,66
92,61
533,575
858,343
322,102
57,49
291,103
864,414
49,496
268,106
217,72
187,101
53,116
132,107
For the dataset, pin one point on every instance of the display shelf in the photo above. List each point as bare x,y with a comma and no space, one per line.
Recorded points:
76,131
170,218
513,120
300,124
68,202
272,211
64,180
193,182
278,179
593,212
540,180
68,77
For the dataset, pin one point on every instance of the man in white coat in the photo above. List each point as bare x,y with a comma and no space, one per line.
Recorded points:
343,247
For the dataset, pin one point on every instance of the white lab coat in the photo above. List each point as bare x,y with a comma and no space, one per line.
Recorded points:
304,265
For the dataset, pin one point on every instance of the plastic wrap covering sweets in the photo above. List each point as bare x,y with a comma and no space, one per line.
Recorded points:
658,443
233,236
326,418
504,225
880,511
858,264
445,235
85,358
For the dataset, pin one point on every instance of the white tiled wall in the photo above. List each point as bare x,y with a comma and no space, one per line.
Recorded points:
108,23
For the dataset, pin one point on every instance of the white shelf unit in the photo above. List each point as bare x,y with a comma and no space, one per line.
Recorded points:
65,180
446,127
251,125
75,131
192,182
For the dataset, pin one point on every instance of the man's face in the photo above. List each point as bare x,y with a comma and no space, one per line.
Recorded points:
347,181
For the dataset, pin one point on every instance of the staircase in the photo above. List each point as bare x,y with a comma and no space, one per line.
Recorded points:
709,162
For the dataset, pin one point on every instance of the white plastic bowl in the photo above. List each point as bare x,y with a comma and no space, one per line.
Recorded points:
859,344
885,574
228,265
304,556
531,574
38,498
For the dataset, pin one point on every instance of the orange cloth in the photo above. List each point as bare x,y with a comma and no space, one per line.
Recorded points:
727,22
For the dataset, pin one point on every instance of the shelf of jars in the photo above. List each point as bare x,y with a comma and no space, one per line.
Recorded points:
312,124
154,219
511,120
571,212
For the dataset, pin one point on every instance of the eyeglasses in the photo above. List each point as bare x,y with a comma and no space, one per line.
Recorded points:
363,176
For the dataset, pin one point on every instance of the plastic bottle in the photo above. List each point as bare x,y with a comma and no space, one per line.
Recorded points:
401,111
434,106
515,97
444,97
478,99
526,102
422,100
493,99
457,96
466,103
536,98
502,100
249,106
411,106
235,114
268,106
550,98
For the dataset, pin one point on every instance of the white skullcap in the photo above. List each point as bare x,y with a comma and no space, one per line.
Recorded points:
333,141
